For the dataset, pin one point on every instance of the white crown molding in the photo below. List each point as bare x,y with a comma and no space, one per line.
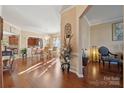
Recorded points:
102,21
107,21
67,9
85,17
12,25
26,29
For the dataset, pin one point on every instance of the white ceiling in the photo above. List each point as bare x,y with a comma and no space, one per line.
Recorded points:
98,14
46,18
41,18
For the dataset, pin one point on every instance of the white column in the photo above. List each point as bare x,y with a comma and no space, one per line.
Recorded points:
0,10
79,64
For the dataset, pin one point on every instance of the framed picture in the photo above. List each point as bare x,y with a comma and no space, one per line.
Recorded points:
117,31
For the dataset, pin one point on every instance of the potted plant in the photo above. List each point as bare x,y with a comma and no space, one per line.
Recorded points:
24,52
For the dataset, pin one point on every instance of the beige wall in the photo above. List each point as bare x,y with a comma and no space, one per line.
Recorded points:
101,35
16,30
22,34
69,17
25,35
84,33
72,16
81,9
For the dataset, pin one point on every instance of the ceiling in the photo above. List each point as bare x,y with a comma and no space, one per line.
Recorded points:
46,18
98,14
41,18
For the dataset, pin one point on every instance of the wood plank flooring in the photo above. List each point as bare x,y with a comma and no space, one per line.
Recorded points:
33,73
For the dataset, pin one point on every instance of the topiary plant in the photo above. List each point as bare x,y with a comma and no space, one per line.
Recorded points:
24,52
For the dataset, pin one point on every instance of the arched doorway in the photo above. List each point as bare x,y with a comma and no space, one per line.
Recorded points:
83,38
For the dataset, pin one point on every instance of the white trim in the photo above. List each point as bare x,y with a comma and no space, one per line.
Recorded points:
80,75
67,9
36,31
85,17
11,25
107,21
104,21
25,29
73,70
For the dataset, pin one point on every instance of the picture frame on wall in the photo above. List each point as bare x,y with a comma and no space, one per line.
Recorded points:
117,31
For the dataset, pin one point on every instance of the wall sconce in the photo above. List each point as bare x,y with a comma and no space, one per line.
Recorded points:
94,54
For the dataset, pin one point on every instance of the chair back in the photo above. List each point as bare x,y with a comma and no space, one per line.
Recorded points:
8,59
103,51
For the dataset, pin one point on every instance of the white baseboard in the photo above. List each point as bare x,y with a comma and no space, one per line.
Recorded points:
73,70
80,75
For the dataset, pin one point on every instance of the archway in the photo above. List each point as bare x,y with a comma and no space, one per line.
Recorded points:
96,32
83,38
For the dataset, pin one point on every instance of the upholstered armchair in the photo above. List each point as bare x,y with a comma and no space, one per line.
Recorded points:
107,56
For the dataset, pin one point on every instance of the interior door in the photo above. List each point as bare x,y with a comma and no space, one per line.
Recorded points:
1,64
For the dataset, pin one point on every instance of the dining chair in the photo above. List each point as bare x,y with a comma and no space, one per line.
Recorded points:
8,59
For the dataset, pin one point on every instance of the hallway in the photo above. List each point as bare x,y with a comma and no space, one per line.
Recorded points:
31,73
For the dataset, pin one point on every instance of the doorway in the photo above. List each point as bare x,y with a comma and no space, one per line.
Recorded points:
96,30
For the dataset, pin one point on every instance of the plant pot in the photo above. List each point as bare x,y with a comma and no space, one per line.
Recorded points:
84,61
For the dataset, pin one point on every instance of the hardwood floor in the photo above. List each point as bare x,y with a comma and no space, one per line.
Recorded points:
31,73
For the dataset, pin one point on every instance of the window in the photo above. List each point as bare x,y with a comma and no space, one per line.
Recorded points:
56,42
